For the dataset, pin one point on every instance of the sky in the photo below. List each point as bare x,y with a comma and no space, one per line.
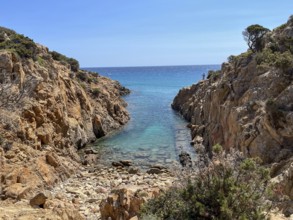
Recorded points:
114,33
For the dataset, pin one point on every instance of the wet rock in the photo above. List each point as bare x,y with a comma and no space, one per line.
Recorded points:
185,159
117,164
133,170
158,166
90,151
126,162
154,171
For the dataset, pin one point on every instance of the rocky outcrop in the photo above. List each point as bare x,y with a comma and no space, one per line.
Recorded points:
248,104
47,113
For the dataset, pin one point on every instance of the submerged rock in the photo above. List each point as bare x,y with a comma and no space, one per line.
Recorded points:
185,159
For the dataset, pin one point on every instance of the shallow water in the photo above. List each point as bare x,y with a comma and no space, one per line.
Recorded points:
155,133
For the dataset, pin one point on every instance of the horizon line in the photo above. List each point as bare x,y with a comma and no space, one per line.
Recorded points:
151,66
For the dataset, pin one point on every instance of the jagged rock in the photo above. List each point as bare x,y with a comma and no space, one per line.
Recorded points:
126,162
154,171
47,113
185,159
159,166
90,159
133,170
17,191
117,164
90,151
52,159
98,127
6,62
122,204
247,107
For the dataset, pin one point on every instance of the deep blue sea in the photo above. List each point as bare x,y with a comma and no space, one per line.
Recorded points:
155,133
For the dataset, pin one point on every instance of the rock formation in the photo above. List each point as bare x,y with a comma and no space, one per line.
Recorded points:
48,110
248,104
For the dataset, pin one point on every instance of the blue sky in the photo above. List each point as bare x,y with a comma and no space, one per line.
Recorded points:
142,33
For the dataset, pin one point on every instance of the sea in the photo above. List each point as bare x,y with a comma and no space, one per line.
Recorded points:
155,133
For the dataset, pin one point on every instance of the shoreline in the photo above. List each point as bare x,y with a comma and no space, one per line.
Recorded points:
80,195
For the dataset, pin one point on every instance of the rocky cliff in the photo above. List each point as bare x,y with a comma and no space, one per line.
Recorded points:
248,104
49,109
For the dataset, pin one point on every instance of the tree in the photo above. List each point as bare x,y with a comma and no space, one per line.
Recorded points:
253,35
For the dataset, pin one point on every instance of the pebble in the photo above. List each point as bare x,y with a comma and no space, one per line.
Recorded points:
88,189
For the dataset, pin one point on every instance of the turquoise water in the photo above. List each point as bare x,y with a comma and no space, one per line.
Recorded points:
155,133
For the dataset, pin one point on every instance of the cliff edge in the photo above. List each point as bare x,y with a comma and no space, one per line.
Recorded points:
248,105
49,109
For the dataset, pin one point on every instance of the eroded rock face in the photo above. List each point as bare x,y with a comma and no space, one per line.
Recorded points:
243,107
122,204
47,113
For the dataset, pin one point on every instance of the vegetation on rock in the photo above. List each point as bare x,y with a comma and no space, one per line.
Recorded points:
253,35
230,187
268,49
249,108
74,64
25,47
269,58
21,45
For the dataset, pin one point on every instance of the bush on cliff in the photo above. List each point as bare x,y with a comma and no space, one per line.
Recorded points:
267,57
74,64
241,60
23,46
227,189
214,75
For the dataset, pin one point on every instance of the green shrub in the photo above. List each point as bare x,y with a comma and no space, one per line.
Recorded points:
23,46
280,28
88,77
41,61
284,60
217,149
276,59
225,189
241,59
74,64
214,75
83,85
275,113
96,91
83,76
9,32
